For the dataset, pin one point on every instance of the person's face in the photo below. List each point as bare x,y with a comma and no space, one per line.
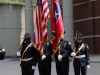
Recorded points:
79,40
27,39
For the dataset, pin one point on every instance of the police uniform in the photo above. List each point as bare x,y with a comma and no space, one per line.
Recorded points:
81,58
44,65
62,66
27,56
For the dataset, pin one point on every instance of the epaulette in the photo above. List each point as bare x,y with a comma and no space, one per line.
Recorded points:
86,46
68,42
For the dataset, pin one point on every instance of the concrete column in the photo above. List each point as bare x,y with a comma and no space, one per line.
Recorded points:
68,19
29,17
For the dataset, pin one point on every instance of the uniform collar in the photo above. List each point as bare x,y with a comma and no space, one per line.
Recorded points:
61,40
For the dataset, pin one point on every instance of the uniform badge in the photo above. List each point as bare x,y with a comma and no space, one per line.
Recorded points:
65,45
47,43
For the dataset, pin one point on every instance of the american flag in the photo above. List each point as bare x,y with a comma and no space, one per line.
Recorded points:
40,28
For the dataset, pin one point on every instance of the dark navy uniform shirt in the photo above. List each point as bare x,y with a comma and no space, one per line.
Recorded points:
84,51
29,53
65,51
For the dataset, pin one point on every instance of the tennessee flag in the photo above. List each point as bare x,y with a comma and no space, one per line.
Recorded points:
57,24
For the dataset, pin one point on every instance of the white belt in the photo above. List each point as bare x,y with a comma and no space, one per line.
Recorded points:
26,59
80,56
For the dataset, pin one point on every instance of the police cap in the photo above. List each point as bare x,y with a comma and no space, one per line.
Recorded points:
27,35
79,35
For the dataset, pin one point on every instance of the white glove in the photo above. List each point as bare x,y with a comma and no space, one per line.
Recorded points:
73,54
60,57
33,67
43,57
3,50
88,66
18,54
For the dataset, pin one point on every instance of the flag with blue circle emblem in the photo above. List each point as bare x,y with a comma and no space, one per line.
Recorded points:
57,24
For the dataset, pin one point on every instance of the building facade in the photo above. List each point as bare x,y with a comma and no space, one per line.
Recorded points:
12,24
87,20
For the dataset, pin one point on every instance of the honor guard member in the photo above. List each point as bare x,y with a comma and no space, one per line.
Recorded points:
62,57
44,61
27,55
80,55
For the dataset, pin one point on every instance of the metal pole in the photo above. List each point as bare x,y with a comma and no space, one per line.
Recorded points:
28,17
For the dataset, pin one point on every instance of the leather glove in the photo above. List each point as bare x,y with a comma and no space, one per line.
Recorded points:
18,54
33,67
88,66
43,57
73,54
60,57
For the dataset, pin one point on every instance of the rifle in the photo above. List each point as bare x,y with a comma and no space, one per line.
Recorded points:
20,49
74,49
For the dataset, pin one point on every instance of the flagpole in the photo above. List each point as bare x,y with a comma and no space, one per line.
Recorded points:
40,18
40,15
52,11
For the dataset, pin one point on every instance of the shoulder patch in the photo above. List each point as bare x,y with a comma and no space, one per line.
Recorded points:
87,47
47,43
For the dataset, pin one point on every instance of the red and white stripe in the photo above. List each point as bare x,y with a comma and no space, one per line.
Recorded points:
40,31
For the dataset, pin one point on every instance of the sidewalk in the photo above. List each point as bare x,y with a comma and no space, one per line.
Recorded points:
95,57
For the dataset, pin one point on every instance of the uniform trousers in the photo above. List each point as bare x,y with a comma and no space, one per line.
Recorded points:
77,70
44,68
62,68
27,70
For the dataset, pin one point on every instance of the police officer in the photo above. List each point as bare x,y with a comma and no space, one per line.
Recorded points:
80,54
44,61
62,57
27,55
